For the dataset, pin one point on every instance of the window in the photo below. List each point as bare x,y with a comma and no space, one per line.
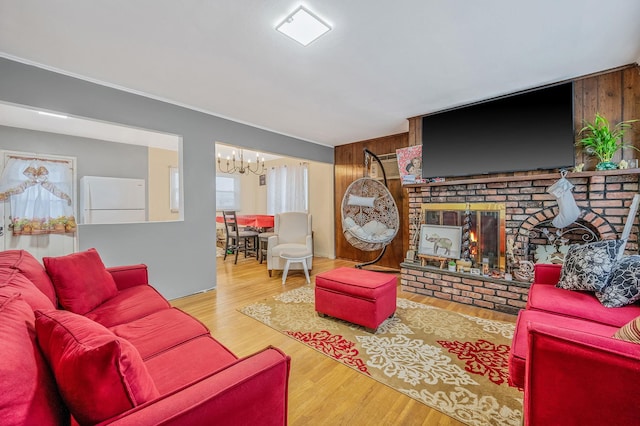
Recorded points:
40,192
174,189
227,192
288,189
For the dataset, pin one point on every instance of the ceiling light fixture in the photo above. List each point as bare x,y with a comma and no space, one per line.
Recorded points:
241,168
303,26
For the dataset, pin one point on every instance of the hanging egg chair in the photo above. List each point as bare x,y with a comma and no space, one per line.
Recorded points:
370,219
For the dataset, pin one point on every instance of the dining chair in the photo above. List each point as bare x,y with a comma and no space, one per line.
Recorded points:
237,240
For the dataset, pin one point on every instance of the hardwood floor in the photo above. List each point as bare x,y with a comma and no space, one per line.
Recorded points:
321,390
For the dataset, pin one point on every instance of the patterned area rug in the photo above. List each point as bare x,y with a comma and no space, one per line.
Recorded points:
454,363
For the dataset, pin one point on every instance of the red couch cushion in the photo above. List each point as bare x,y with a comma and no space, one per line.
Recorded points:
12,281
578,304
29,266
160,331
520,344
128,305
99,374
81,280
28,392
194,359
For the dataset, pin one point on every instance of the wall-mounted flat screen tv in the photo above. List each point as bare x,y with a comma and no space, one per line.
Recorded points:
530,130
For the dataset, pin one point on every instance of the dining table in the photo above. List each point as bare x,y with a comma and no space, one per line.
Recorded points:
259,221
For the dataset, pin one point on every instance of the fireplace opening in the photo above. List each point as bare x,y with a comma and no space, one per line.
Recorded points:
483,229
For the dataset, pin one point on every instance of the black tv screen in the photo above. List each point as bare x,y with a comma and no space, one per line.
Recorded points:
530,130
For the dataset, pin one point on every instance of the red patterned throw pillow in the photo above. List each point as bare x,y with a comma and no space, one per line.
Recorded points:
99,375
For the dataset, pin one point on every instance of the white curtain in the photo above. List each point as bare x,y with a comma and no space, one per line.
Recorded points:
287,189
39,192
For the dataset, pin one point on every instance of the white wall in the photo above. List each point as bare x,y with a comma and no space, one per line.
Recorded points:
321,205
253,197
160,162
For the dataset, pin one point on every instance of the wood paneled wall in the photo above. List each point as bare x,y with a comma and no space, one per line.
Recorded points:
349,166
616,96
614,93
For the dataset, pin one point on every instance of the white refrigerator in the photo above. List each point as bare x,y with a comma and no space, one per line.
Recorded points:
112,200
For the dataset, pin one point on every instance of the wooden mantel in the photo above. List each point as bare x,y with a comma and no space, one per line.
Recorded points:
494,179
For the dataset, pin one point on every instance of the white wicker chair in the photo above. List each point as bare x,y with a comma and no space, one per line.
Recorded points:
370,218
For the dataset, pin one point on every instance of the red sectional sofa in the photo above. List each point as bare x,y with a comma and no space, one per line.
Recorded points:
564,356
86,344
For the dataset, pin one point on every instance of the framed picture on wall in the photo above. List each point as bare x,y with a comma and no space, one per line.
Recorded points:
410,164
263,180
440,241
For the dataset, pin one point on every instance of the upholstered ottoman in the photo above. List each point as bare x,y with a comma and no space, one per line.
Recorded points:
362,297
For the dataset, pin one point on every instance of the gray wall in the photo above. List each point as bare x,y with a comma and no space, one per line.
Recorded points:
95,157
180,255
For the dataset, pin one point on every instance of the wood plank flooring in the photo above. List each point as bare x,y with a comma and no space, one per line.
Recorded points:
321,390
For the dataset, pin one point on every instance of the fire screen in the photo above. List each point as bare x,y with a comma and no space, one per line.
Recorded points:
483,229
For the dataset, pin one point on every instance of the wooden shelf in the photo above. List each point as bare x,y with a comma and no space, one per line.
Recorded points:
514,178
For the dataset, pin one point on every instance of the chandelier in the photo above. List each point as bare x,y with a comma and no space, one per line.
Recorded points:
242,168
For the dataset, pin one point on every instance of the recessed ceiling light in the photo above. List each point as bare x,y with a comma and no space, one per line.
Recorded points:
303,26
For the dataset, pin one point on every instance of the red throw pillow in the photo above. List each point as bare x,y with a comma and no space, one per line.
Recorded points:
12,281
27,265
81,280
28,393
99,375
32,269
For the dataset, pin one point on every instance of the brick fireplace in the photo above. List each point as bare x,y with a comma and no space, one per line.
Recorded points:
603,197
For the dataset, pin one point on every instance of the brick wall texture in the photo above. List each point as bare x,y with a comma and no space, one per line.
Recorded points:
604,201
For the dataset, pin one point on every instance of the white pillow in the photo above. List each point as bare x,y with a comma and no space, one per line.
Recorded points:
354,200
374,228
386,234
349,223
359,232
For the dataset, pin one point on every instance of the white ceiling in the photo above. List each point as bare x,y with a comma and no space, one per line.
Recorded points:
382,62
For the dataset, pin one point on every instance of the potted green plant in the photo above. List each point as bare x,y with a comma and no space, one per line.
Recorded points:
601,140
452,265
